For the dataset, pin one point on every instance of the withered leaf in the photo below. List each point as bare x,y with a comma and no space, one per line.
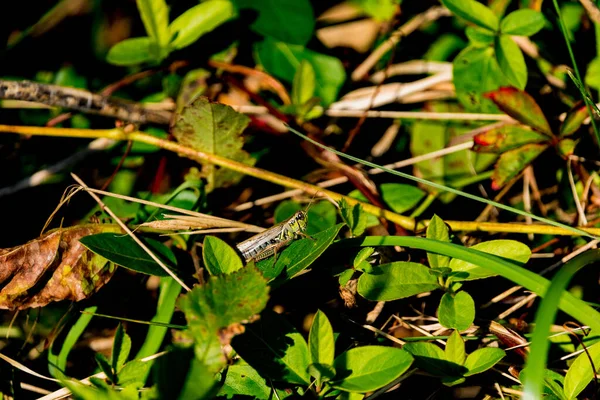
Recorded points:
53,267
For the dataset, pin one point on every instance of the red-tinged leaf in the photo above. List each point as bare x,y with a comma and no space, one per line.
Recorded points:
566,147
573,120
53,267
507,137
514,161
522,107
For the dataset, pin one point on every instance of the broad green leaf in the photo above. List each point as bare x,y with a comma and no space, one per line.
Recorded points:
367,368
361,262
217,129
199,20
321,215
321,372
224,300
275,349
121,349
479,37
298,256
437,230
303,87
592,75
580,373
430,358
155,15
321,344
483,359
511,61
290,21
474,12
511,250
396,280
243,380
354,217
524,22
131,52
522,107
444,46
456,311
345,276
566,147
475,72
574,119
401,197
455,349
381,10
506,137
283,59
133,373
512,162
219,258
124,251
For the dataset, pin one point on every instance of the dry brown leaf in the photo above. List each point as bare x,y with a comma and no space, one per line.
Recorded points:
54,267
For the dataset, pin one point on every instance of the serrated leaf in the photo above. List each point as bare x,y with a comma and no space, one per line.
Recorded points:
396,280
275,348
131,52
321,344
512,250
121,349
483,359
155,15
223,301
574,120
367,368
214,128
580,373
511,61
198,20
524,22
507,137
401,197
474,12
512,162
522,107
219,257
456,311
54,267
124,251
455,349
437,230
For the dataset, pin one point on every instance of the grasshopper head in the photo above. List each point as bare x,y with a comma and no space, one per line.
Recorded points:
300,218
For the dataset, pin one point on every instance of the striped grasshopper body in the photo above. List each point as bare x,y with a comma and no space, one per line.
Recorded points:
269,242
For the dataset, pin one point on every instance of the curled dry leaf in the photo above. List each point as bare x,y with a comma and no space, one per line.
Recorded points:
54,267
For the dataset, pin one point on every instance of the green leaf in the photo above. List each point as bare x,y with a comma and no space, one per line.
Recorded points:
104,365
592,75
430,358
133,373
483,359
444,46
580,373
574,119
437,230
180,375
361,262
381,10
243,380
511,250
155,15
456,311
283,59
367,368
566,147
396,280
474,12
506,137
199,20
354,217
298,256
217,129
121,349
524,22
511,61
275,348
512,162
223,301
479,37
455,348
219,258
131,52
321,344
476,71
401,197
290,21
303,87
522,107
124,251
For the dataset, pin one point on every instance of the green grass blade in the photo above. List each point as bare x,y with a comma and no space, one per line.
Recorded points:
445,188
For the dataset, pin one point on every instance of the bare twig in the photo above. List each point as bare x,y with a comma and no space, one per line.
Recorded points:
592,10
